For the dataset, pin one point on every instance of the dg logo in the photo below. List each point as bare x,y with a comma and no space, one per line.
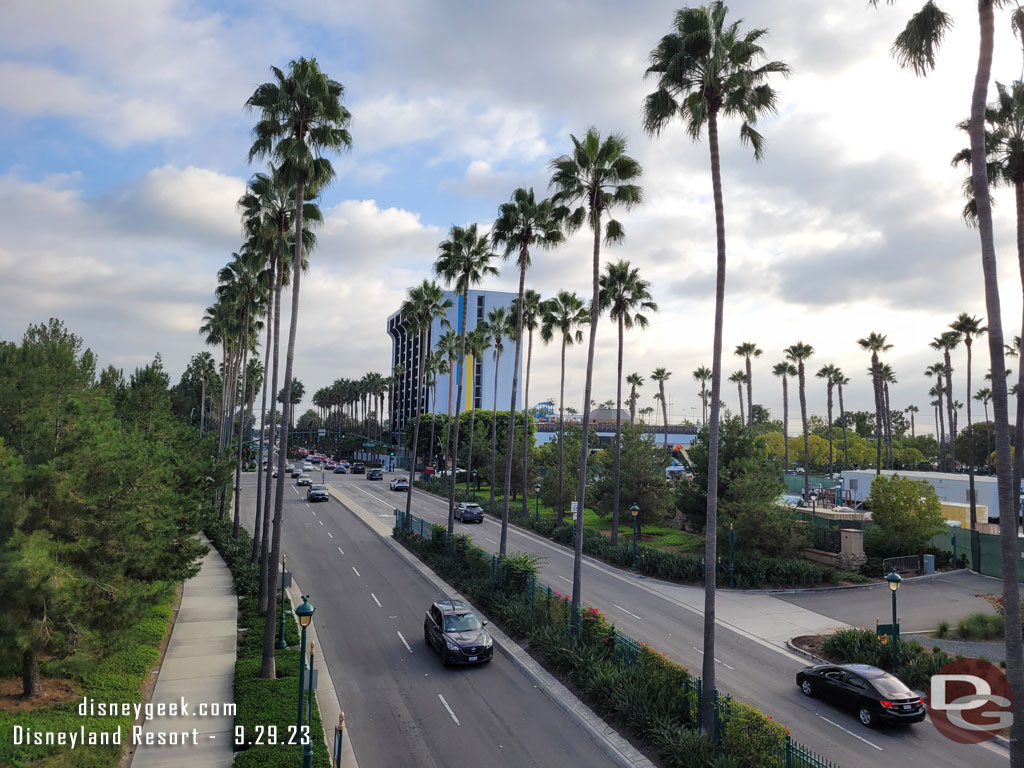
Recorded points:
969,701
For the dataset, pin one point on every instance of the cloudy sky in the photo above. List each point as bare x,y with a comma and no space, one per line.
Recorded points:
123,147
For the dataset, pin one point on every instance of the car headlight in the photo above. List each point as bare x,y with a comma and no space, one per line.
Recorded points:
487,642
451,646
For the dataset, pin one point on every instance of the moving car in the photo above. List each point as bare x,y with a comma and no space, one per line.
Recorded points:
400,484
452,628
358,469
339,469
307,467
318,493
875,695
304,479
469,512
274,473
375,474
295,471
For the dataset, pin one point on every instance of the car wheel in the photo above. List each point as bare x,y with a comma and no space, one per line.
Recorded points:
867,718
445,661
426,637
807,687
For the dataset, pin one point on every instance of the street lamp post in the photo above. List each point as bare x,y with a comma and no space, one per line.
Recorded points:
536,498
280,627
732,556
894,584
305,615
635,512
307,746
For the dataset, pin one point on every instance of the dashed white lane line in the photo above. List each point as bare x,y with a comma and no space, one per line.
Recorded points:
330,534
837,725
629,612
321,522
565,579
491,540
341,550
698,650
402,638
311,510
357,572
376,600
449,709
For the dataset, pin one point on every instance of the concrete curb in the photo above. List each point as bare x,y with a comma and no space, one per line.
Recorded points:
607,738
925,577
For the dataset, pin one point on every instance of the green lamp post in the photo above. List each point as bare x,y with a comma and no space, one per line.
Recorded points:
280,627
894,584
635,512
307,745
732,556
305,615
536,498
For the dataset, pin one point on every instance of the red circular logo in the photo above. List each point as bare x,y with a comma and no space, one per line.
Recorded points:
969,701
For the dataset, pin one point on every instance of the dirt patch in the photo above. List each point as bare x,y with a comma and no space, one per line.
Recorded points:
813,644
55,691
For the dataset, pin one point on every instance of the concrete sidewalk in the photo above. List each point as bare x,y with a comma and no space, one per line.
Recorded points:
198,671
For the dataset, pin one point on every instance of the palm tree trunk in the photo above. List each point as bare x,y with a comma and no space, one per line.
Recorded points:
876,385
711,529
241,426
887,423
632,405
229,423
268,668
942,431
785,420
842,418
526,419
949,410
458,410
664,411
256,538
202,408
472,436
407,522
739,390
448,424
803,419
1008,495
912,433
494,425
510,444
561,441
433,422
1018,454
265,576
618,438
704,400
970,439
750,395
829,404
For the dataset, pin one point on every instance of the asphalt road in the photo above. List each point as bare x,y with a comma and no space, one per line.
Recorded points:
402,707
750,668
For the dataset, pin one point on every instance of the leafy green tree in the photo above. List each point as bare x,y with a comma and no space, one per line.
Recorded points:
750,505
642,480
905,511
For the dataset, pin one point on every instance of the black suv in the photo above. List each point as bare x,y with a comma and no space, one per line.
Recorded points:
459,636
318,493
469,512
358,469
374,474
874,694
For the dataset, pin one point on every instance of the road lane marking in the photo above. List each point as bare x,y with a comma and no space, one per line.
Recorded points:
449,709
376,600
375,498
330,534
402,638
341,550
629,612
357,572
837,725
491,540
698,650
565,579
321,522
311,509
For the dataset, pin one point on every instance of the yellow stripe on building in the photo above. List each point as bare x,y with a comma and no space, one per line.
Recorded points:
468,384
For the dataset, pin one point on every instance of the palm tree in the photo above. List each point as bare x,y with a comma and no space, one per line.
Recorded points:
661,375
300,117
798,353
424,304
888,376
531,317
437,365
947,342
207,370
499,320
464,260
563,314
705,67
875,343
522,223
634,380
841,381
448,346
478,341
913,409
646,411
626,296
596,177
937,370
747,350
784,370
703,375
738,378
828,373
969,327
983,396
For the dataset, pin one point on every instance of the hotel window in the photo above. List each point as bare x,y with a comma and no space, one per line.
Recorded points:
479,309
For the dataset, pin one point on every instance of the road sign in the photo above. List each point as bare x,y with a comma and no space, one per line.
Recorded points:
574,506
321,432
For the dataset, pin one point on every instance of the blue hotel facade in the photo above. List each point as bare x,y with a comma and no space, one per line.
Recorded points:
478,374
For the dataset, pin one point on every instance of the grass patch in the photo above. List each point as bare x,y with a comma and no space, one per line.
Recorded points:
981,626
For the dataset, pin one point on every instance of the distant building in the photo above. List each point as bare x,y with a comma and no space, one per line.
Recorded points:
478,374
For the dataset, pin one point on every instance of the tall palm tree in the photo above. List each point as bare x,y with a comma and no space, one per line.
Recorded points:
626,297
969,327
738,378
531,318
499,320
522,223
875,343
841,381
478,342
703,375
828,373
563,314
913,409
464,260
634,380
300,118
984,396
947,342
448,346
424,304
784,370
596,177
704,68
746,350
207,370
646,411
437,366
888,376
661,375
937,370
798,353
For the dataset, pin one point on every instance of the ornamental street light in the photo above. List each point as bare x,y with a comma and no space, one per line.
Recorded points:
307,747
894,584
536,498
305,615
635,512
280,627
732,556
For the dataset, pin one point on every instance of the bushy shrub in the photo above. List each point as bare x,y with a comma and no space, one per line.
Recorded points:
755,740
863,646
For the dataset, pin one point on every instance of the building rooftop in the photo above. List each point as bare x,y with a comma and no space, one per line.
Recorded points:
927,475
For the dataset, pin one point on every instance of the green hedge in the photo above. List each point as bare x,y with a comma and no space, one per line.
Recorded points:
862,646
633,685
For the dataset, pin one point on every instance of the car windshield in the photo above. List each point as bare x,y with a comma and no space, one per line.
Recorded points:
318,487
892,688
461,622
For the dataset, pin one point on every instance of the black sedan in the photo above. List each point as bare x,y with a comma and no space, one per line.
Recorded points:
318,493
875,695
358,469
375,474
458,635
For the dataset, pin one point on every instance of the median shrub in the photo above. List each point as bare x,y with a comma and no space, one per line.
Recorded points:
863,646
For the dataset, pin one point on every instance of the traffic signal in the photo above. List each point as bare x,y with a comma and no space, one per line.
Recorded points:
342,435
392,453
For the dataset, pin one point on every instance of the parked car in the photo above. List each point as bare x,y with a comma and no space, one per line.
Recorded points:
875,695
358,469
318,493
304,479
339,469
400,484
452,628
469,512
375,474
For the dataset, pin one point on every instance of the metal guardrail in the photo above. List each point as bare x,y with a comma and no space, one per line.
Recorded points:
905,564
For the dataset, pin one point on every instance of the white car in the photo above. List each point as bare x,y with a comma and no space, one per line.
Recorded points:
400,484
307,467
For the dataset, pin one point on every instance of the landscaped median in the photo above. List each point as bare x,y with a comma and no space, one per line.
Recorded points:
627,682
263,704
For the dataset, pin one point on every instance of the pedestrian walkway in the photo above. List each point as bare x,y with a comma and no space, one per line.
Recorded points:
198,672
